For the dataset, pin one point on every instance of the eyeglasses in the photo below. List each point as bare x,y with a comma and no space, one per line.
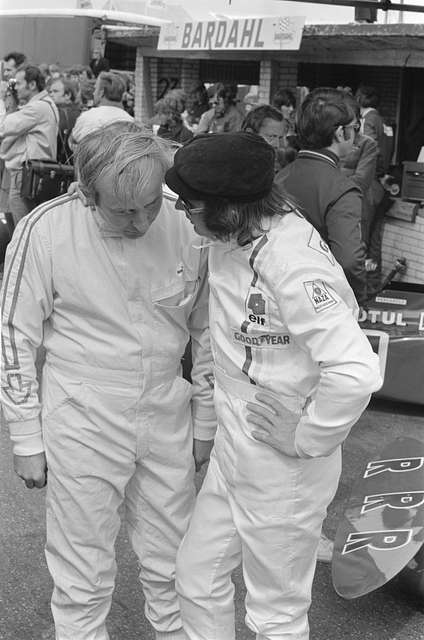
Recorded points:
355,126
188,208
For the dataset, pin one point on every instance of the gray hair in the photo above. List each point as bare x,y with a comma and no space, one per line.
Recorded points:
127,153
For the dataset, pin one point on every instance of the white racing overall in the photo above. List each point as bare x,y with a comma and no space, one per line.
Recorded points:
114,315
283,321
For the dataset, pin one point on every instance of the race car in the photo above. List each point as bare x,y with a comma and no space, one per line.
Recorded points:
393,320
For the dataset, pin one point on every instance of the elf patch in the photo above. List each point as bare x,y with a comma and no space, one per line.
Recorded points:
318,294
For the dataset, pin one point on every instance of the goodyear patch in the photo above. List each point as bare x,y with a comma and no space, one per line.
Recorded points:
316,243
261,341
318,294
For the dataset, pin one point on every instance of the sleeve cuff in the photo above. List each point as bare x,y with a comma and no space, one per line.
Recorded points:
204,431
26,437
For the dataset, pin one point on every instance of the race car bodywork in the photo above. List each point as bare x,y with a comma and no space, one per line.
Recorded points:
394,324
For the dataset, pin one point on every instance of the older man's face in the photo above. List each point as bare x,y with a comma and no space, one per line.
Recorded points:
132,221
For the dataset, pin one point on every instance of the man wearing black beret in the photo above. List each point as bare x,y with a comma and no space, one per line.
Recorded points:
293,373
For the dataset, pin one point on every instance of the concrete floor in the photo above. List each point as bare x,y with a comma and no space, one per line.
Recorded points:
387,614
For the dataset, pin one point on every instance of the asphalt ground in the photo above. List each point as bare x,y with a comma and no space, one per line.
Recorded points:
390,613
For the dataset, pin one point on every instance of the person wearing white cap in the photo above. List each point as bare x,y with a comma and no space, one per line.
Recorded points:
108,93
293,373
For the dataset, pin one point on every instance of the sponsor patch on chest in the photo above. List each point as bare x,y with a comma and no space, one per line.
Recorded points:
261,341
318,294
257,310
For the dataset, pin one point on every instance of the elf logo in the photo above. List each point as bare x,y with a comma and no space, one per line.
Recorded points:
385,540
256,304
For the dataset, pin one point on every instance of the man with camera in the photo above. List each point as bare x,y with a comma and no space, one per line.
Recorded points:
28,133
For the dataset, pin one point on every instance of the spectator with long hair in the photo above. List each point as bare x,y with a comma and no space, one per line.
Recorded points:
169,112
224,117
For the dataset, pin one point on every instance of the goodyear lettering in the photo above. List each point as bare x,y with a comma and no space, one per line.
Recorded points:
397,465
380,540
264,340
397,500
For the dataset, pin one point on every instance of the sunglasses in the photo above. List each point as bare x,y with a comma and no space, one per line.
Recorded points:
188,208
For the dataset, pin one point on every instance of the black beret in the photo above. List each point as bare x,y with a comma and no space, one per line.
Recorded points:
237,166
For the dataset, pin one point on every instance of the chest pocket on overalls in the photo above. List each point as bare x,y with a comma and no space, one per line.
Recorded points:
174,301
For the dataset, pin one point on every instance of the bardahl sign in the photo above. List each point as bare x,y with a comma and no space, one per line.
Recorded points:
283,32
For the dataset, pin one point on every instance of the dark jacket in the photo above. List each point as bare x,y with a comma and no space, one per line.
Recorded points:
68,113
332,204
96,66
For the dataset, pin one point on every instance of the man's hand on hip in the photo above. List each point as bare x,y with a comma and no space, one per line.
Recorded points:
201,452
32,470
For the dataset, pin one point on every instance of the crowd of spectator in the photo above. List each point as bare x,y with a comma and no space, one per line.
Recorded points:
39,108
46,110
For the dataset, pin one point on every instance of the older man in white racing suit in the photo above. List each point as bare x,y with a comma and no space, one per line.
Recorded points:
113,291
293,373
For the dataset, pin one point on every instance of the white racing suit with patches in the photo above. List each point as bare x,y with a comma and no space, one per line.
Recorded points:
114,315
283,321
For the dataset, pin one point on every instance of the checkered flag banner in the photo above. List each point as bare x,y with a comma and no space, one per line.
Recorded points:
284,29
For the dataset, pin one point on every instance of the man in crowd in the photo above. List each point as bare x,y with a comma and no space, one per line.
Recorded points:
98,63
108,106
12,62
329,200
28,133
64,92
113,291
224,116
268,123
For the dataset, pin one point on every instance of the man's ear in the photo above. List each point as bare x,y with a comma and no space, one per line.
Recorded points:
32,85
339,134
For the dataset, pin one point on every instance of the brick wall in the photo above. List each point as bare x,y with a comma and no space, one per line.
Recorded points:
265,81
385,79
405,239
146,73
190,73
169,75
